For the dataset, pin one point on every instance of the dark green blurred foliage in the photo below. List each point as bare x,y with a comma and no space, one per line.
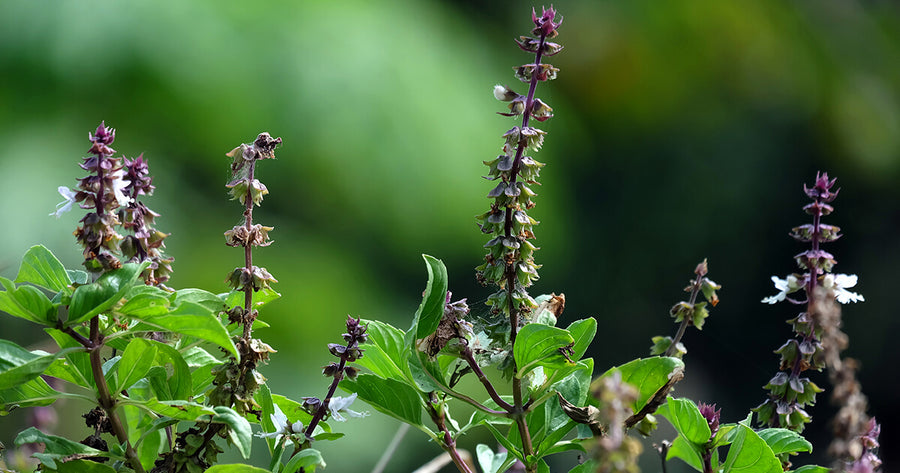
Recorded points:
683,130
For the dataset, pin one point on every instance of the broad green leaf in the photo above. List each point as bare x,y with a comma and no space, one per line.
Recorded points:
27,302
583,332
238,428
207,299
58,448
687,420
41,268
196,321
177,409
431,310
84,466
811,469
196,356
136,361
515,450
750,453
201,378
92,299
391,342
18,365
264,399
77,364
307,459
557,424
35,392
148,449
785,441
686,452
648,375
394,398
426,373
236,468
260,298
587,467
379,362
489,461
294,411
540,344
565,446
145,304
175,378
78,276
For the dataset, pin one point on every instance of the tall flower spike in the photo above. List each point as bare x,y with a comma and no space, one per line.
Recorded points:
145,243
789,393
102,192
509,264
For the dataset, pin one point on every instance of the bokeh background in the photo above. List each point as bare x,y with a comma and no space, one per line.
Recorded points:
684,131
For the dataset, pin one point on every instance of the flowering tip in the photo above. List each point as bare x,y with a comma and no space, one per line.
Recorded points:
544,25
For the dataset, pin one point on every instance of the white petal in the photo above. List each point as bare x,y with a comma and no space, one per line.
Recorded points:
780,284
845,280
844,296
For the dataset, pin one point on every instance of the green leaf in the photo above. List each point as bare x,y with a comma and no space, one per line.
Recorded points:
174,378
686,451
557,424
136,361
264,399
18,365
648,375
294,411
750,453
540,344
27,302
41,268
238,428
76,366
515,450
394,398
307,459
489,461
35,392
379,362
92,299
236,468
431,310
390,340
785,441
193,320
583,332
260,298
687,420
176,409
426,373
84,466
811,469
145,304
58,448
586,467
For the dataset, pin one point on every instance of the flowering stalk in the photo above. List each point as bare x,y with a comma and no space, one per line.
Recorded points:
789,394
509,264
690,313
102,191
145,243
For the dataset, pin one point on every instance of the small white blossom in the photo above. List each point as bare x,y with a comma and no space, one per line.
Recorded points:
118,184
339,405
839,284
282,426
65,205
785,286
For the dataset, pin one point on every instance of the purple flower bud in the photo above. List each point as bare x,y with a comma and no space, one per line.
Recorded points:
712,415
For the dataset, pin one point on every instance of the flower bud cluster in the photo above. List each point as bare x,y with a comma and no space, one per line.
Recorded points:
509,263
789,392
102,191
145,243
689,313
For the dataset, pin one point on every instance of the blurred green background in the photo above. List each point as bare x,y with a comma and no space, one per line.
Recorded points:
684,130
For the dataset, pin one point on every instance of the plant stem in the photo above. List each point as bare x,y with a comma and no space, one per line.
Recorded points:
105,399
447,442
470,359
248,255
695,290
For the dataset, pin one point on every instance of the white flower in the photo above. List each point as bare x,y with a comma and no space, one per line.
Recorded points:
339,405
839,284
65,205
282,426
118,184
785,286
